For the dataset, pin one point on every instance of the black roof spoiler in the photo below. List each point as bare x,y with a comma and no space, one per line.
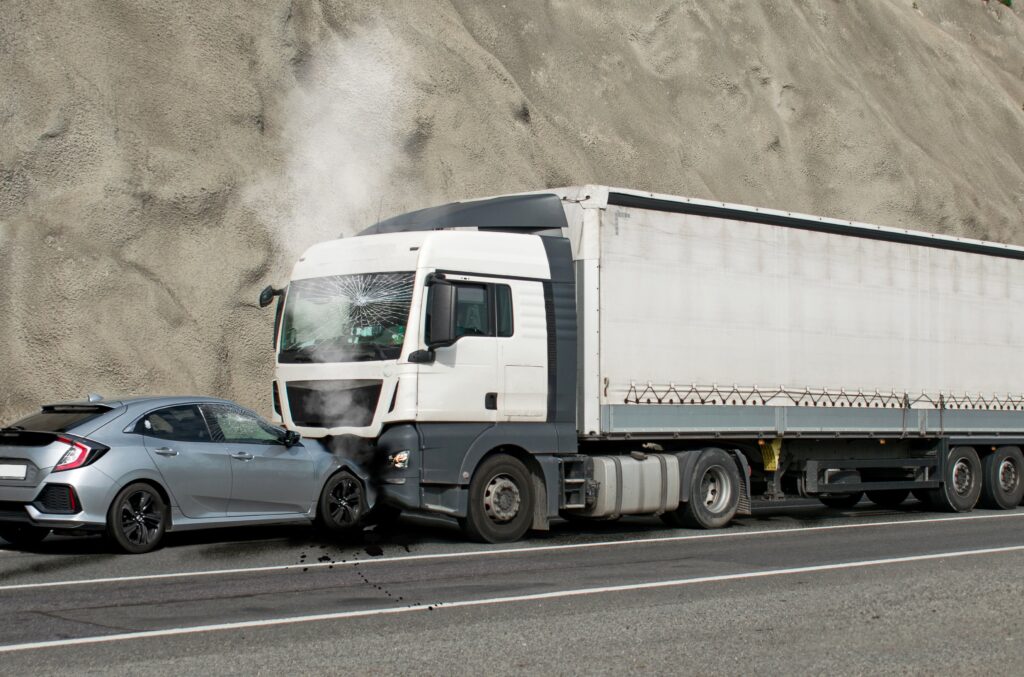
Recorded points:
531,213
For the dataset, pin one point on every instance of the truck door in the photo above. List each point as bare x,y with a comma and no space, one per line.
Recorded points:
523,350
463,382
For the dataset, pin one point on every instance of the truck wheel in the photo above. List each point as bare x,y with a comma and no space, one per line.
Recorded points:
500,501
1001,487
961,485
888,498
841,501
342,503
714,493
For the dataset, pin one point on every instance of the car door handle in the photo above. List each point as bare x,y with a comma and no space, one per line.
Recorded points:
242,456
165,451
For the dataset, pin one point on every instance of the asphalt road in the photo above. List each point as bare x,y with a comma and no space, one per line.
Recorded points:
794,588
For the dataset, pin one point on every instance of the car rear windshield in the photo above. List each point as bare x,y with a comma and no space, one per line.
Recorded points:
59,419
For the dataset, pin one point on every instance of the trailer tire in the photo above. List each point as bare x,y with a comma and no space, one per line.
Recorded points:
961,483
888,498
841,501
714,493
500,501
1002,487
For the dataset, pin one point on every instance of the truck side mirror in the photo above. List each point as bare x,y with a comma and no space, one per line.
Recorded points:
267,296
441,299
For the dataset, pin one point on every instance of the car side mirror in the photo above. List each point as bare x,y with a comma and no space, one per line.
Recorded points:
441,301
291,438
267,296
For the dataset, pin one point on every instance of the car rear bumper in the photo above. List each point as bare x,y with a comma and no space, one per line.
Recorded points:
30,505
28,514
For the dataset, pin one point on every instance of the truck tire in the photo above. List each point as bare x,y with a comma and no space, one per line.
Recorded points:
500,501
841,501
1002,487
714,493
961,484
888,498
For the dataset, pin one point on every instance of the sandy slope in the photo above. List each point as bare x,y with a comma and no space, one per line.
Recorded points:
160,162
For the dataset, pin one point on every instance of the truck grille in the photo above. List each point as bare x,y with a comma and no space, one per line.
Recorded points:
332,404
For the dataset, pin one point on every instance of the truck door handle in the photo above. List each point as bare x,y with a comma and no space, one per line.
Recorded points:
242,456
165,451
491,401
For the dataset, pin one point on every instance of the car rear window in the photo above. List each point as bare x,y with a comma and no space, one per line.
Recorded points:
59,419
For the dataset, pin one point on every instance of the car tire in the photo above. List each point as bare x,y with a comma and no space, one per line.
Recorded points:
342,504
1002,485
961,482
888,498
23,535
500,501
137,519
841,501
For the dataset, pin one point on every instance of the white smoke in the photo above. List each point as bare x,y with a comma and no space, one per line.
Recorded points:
339,129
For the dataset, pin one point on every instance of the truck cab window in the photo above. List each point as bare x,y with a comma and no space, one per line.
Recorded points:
503,309
472,311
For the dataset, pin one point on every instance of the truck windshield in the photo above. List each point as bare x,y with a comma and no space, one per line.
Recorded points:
346,318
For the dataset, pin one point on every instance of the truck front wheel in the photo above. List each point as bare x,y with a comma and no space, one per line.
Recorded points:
714,493
961,484
500,501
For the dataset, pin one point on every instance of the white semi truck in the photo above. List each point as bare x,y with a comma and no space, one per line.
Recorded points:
590,352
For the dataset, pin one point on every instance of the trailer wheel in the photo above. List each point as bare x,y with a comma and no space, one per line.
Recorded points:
1002,487
714,493
961,485
841,501
888,498
500,501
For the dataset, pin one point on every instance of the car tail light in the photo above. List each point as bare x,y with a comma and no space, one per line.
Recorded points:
80,453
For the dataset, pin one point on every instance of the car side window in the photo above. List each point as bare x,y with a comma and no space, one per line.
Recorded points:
232,424
183,423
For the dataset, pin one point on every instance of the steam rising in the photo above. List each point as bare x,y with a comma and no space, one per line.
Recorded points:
339,129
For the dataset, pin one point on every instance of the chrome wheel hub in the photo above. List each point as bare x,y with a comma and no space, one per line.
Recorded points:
1009,476
715,489
962,477
502,499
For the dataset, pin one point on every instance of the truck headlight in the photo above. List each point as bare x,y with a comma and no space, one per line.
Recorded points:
399,460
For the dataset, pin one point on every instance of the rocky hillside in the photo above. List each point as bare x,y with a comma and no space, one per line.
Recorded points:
161,162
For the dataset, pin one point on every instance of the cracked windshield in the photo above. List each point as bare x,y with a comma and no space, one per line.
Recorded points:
346,318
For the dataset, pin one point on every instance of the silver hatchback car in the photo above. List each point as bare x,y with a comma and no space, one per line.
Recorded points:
135,469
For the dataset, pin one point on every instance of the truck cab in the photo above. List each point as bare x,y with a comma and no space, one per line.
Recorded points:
425,347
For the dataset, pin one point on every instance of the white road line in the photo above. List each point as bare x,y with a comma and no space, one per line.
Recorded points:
679,582
498,551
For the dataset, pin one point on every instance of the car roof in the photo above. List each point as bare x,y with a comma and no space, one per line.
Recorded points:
154,400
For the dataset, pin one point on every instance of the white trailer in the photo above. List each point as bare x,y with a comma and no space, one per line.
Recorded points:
592,351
